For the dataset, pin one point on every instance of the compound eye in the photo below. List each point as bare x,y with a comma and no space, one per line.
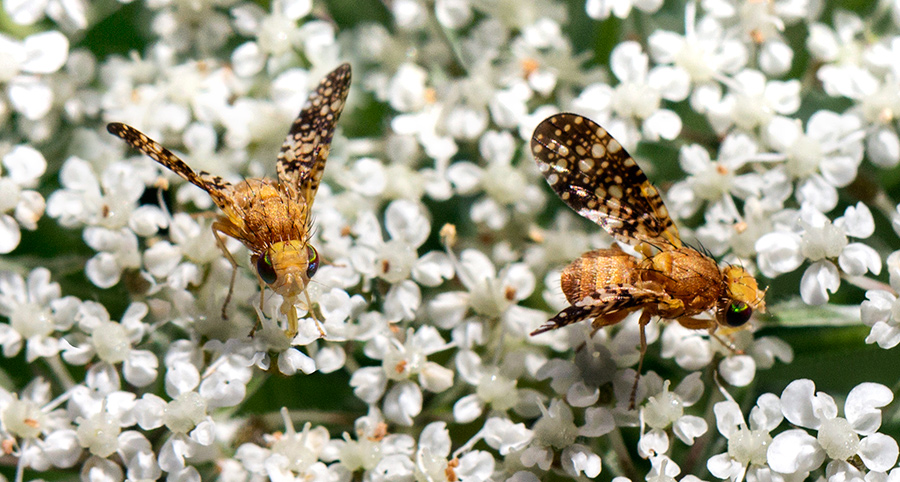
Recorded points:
265,269
738,313
313,264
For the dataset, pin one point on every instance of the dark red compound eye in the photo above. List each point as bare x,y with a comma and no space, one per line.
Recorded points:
313,264
738,313
265,269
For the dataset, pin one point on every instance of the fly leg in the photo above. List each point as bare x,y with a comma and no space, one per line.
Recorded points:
223,227
262,298
710,326
645,318
289,309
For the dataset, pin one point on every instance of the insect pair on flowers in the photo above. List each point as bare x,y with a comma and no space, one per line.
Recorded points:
586,167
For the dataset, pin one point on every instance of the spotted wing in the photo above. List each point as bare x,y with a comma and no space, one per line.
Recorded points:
593,174
218,188
301,161
608,306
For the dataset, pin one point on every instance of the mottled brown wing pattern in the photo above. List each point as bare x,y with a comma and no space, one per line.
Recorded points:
612,300
596,177
301,161
218,188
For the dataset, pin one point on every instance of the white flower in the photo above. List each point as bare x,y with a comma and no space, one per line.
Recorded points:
753,100
838,438
716,181
288,455
824,158
508,189
556,429
277,35
42,431
636,101
112,342
601,9
25,68
20,207
69,15
402,363
881,310
489,293
433,451
763,24
665,408
35,311
816,238
395,260
117,251
747,443
705,53
491,388
869,79
110,201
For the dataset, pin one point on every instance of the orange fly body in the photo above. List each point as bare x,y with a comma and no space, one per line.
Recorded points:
271,217
592,173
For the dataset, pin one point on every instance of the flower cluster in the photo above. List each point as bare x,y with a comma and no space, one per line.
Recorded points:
770,128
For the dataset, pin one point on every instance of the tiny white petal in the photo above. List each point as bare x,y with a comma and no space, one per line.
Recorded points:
45,52
689,427
25,12
467,408
818,280
794,451
738,370
578,458
879,452
292,360
247,60
10,234
30,96
24,165
797,403
402,403
863,404
779,253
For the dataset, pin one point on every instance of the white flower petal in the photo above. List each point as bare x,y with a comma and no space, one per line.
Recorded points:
45,52
820,278
797,403
247,60
794,451
577,458
738,370
779,253
598,421
402,403
863,404
724,467
879,452
25,12
30,96
467,409
10,235
775,58
292,360
857,258
24,165
689,427
103,270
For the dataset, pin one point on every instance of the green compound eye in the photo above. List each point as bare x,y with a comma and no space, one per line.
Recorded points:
313,263
738,313
265,269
